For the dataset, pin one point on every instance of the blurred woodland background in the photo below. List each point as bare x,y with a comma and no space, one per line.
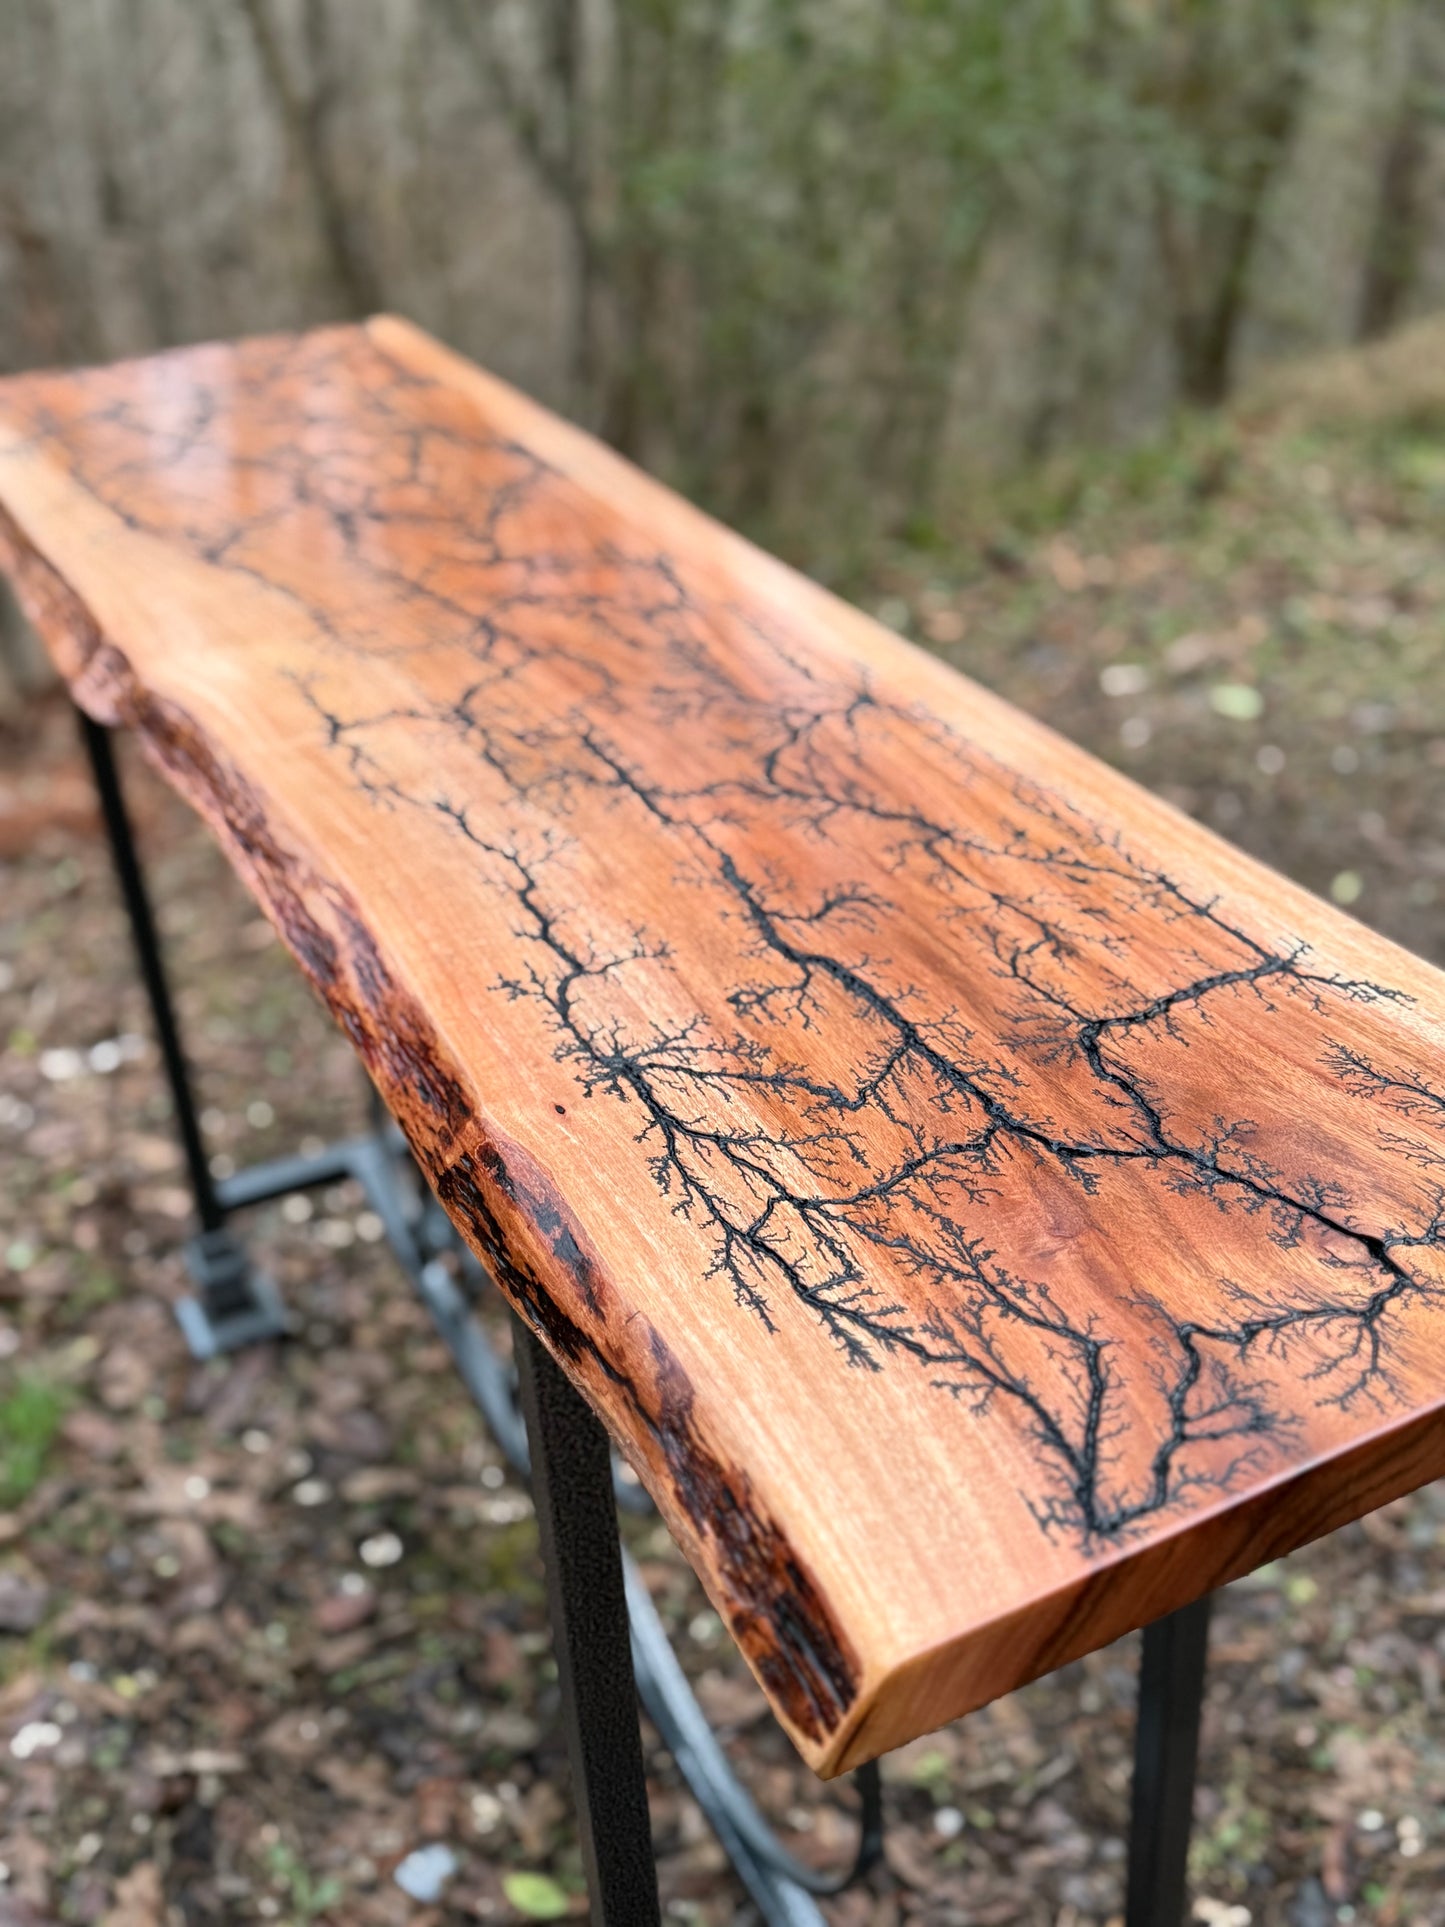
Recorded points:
1097,344
823,263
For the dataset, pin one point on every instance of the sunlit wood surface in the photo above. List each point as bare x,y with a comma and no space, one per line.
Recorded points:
987,1210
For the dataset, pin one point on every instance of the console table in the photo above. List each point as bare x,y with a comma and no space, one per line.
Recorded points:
984,1210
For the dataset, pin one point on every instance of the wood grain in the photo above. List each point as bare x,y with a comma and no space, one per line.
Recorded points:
986,1209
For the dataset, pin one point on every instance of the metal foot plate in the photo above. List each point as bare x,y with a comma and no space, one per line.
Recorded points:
236,1303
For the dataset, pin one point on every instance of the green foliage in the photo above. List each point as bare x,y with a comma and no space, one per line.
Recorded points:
306,1897
815,186
536,1896
1177,471
809,198
802,223
30,1413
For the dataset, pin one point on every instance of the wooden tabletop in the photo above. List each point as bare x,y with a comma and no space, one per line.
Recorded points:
987,1210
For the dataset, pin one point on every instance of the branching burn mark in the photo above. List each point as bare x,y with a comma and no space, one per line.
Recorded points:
939,980
773,1605
776,1612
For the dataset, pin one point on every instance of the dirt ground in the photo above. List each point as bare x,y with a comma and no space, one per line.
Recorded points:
269,1626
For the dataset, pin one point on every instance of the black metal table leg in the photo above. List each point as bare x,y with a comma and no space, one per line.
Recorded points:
577,1523
235,1304
1166,1747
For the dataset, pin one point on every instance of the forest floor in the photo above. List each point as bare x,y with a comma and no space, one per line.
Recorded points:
268,1627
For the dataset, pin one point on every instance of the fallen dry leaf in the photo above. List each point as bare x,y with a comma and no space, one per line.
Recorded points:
139,1901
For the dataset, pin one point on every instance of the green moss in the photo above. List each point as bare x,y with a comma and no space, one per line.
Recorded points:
305,1895
31,1409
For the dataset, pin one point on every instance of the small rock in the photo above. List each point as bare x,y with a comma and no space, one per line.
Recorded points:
424,1873
379,1482
22,1603
1311,1909
36,1736
343,1612
1124,679
382,1549
511,1731
295,1736
361,1435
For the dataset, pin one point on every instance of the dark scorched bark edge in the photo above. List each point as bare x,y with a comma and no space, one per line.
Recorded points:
773,1606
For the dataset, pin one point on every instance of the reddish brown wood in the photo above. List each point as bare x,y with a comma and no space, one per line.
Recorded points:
987,1210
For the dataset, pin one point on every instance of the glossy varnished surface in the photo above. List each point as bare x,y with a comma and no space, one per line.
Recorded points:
987,1210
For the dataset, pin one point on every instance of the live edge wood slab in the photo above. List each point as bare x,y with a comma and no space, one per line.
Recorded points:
986,1210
